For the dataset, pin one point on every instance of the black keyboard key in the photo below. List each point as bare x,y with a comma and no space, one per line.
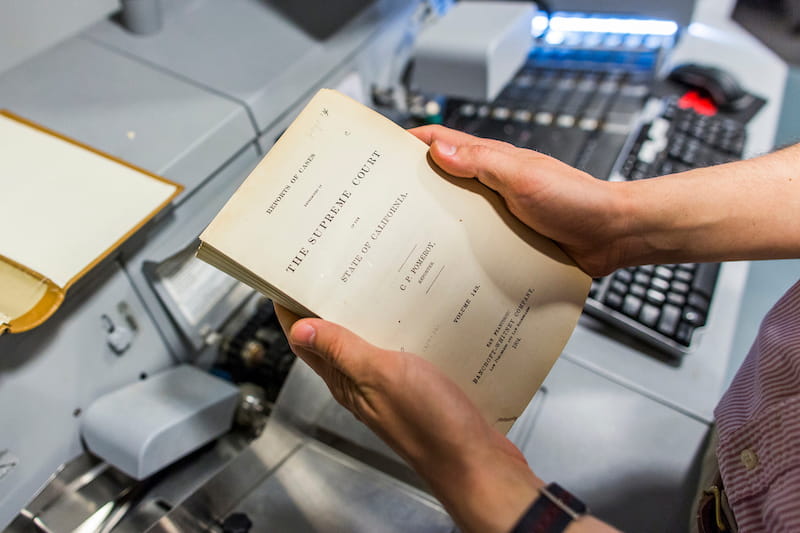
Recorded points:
693,317
597,105
705,278
699,302
664,272
606,150
631,305
670,317
500,130
537,138
619,287
562,143
574,102
676,299
625,276
684,333
613,300
638,289
656,297
680,287
659,284
649,315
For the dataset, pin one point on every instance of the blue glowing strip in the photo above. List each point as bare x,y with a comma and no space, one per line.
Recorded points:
599,24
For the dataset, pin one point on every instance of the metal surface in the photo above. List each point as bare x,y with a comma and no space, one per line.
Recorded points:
695,383
677,10
268,66
27,28
127,109
212,502
692,384
288,482
141,16
176,233
631,459
50,374
318,489
88,495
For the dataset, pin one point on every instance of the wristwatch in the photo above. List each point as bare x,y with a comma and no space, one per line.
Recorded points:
552,511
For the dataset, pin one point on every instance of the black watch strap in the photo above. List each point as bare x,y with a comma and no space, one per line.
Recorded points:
552,511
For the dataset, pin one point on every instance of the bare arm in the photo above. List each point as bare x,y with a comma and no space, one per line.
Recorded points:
743,210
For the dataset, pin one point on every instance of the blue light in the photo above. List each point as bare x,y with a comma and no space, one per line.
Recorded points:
636,26
554,37
539,24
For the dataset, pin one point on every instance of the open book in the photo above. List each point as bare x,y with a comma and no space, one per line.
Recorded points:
64,207
347,218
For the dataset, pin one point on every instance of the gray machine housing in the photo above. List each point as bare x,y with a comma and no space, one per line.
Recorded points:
476,68
200,101
148,425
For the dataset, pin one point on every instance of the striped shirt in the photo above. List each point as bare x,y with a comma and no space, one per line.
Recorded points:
758,420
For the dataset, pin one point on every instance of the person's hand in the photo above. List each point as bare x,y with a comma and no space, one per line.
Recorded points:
741,210
480,477
582,214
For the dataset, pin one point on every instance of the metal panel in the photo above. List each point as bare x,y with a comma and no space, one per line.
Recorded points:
175,233
50,374
677,10
29,27
318,489
248,49
118,105
692,384
631,459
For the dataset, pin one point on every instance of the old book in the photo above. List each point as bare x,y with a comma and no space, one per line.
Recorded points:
65,206
348,219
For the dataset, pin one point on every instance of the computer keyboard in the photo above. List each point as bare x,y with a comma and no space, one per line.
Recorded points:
664,304
598,115
678,139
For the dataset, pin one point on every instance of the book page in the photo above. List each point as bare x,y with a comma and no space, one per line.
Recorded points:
19,292
63,206
349,217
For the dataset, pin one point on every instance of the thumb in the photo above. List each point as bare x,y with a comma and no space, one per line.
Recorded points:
498,165
334,346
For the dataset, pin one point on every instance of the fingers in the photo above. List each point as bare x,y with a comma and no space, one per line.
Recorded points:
350,366
336,346
498,165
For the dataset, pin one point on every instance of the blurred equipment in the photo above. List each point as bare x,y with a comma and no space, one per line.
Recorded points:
478,67
162,396
722,86
589,95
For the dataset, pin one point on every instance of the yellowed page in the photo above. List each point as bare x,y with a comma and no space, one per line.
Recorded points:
347,215
63,206
19,292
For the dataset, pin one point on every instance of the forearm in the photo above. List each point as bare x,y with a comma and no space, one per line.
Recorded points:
743,210
485,494
489,490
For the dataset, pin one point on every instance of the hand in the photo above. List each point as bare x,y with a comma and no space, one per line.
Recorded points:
480,477
579,212
740,210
